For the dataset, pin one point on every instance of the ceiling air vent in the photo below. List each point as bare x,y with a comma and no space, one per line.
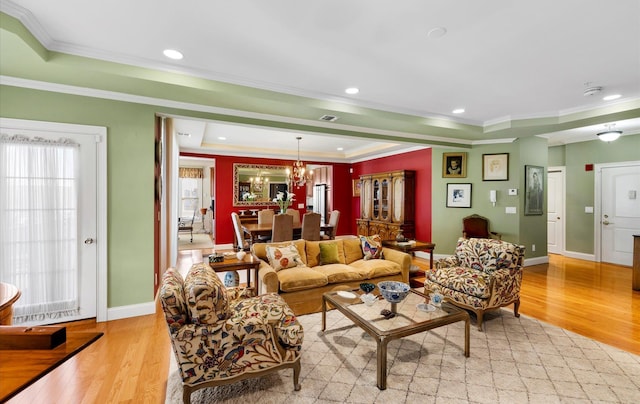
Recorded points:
329,118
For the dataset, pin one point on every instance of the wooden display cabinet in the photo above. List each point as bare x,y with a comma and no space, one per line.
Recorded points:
387,204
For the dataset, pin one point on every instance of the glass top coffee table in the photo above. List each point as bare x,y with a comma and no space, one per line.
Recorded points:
409,319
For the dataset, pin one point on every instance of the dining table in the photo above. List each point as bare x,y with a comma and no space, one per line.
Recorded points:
254,230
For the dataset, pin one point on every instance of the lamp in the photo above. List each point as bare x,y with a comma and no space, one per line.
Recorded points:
299,176
609,135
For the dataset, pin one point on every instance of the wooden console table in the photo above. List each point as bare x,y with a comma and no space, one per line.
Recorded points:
416,278
22,367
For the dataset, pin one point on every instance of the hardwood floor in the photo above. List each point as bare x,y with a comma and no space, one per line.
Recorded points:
129,364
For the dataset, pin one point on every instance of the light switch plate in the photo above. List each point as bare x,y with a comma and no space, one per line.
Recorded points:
588,209
301,206
510,210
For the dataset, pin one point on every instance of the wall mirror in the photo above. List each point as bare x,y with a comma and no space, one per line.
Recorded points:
257,185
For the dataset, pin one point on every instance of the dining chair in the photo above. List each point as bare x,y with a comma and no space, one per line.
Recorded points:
265,216
282,228
333,222
296,216
187,225
241,242
311,226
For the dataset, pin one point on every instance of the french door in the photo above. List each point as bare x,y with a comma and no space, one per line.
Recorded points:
72,240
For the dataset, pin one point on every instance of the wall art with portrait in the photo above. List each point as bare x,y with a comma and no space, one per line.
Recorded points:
534,190
495,167
454,165
458,195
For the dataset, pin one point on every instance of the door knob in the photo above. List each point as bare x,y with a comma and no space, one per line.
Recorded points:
605,222
89,241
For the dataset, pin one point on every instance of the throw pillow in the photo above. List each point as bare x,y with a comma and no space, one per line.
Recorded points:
329,253
283,257
207,298
371,247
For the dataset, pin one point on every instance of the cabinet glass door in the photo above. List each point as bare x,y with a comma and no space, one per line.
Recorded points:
366,199
398,199
384,200
376,199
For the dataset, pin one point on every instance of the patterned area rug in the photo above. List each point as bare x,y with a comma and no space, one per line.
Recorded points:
516,360
200,241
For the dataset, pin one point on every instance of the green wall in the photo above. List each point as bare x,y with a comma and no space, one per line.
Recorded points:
580,183
516,228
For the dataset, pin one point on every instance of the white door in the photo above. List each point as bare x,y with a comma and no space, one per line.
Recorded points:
620,212
85,215
555,210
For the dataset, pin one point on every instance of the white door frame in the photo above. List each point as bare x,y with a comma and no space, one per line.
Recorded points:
597,207
562,169
100,134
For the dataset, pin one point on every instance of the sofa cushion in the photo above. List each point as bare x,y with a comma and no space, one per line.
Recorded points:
206,296
283,257
260,249
328,253
300,278
352,250
337,273
487,254
371,246
313,252
376,268
465,280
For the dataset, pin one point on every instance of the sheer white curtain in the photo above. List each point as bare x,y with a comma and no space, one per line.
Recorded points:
38,225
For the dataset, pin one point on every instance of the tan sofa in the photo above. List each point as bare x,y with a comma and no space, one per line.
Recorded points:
302,286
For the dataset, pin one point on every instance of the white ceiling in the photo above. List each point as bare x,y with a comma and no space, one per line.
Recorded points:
499,59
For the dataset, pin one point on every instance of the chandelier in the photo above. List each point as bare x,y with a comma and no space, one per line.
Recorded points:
258,181
299,176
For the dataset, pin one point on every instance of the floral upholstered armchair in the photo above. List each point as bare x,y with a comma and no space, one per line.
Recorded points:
221,336
484,274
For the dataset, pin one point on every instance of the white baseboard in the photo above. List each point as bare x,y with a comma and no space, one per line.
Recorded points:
579,255
536,261
134,310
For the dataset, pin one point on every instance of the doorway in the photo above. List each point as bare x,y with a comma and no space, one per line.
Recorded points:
617,216
55,236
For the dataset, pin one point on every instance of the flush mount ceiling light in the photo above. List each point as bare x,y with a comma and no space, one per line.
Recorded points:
352,90
173,54
437,32
609,135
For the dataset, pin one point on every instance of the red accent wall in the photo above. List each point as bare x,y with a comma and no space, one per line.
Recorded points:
341,187
418,161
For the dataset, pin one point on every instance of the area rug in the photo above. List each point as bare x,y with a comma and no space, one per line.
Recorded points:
200,241
515,360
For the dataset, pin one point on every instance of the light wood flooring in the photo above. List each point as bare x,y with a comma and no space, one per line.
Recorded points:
129,364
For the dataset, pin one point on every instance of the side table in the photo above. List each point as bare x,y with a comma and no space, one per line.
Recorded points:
410,247
232,263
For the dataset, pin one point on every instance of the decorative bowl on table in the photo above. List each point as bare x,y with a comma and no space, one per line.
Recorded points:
367,287
393,291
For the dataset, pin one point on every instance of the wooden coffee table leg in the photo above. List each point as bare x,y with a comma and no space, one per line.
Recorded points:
324,314
381,371
466,337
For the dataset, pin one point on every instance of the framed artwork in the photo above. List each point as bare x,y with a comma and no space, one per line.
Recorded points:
356,184
534,190
454,165
458,195
495,167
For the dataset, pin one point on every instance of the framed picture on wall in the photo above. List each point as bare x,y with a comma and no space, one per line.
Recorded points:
495,167
454,165
534,190
356,184
458,195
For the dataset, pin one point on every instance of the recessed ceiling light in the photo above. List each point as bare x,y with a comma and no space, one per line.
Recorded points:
173,54
340,148
611,97
222,138
437,32
352,90
458,110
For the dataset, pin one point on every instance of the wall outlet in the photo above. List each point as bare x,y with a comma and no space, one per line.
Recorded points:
533,247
